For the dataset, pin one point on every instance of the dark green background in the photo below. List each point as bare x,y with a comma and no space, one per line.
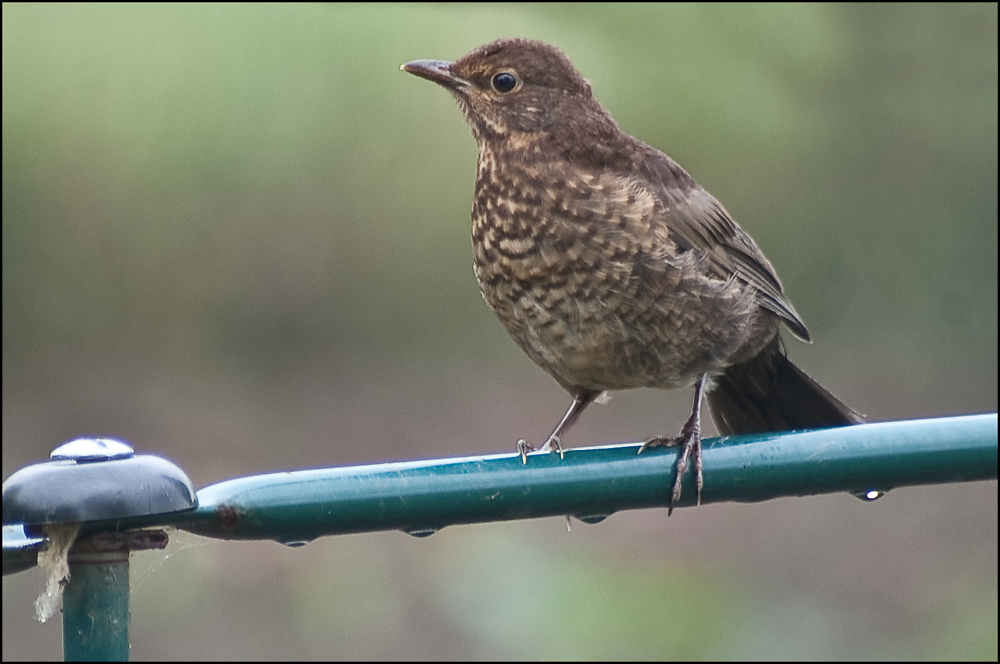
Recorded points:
238,236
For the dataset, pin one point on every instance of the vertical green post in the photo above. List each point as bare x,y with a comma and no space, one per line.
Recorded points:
95,607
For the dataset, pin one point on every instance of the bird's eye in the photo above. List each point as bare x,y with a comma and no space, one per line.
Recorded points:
504,81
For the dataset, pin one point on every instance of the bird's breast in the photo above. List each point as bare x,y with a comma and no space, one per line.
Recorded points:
575,272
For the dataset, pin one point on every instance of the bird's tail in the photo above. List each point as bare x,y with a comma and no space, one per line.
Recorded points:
769,393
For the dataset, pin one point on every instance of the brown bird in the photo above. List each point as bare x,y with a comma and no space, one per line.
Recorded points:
610,266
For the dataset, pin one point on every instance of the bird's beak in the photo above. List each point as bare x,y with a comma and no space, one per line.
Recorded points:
438,71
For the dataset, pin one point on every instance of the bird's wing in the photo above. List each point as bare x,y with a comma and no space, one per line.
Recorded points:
689,217
695,220
680,216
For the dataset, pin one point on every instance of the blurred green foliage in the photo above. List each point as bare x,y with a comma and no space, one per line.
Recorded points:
261,183
227,227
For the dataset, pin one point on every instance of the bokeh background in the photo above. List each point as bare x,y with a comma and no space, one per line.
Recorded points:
238,236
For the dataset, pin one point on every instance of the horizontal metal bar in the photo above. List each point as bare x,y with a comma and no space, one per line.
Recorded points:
421,497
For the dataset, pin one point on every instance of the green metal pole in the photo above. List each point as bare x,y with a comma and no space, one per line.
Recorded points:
421,497
95,606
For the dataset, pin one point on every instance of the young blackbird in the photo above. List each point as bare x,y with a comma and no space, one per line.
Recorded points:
610,266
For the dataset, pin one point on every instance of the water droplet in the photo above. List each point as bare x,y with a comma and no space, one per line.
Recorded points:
591,518
295,543
870,495
421,532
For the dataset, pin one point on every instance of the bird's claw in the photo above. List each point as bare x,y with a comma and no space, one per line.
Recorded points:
523,447
690,442
551,445
663,441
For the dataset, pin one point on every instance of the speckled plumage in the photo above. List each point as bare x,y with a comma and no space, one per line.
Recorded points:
607,263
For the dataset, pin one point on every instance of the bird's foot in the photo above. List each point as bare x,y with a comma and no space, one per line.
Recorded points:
523,447
551,445
690,443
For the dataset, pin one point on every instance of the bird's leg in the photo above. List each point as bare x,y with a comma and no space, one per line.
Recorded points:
580,401
690,442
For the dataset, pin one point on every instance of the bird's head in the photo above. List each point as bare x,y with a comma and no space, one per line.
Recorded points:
517,89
